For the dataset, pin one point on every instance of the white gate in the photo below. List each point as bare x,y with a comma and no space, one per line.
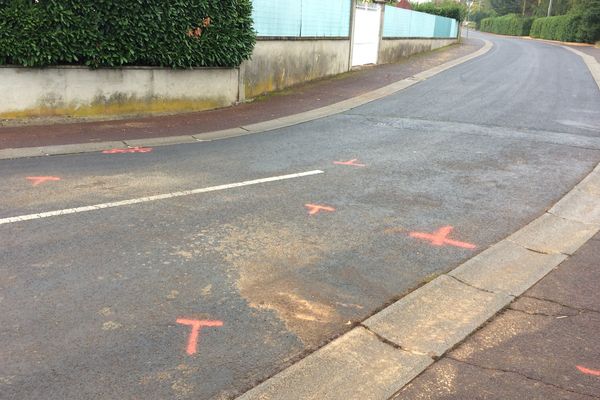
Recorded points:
367,22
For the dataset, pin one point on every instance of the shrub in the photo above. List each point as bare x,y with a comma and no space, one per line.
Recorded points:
173,33
510,24
563,27
589,24
479,15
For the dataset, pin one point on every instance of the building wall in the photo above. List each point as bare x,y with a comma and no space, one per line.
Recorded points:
79,91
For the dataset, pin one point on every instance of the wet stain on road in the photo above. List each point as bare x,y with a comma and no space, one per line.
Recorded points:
266,259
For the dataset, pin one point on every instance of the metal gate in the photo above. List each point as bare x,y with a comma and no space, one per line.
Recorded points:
367,24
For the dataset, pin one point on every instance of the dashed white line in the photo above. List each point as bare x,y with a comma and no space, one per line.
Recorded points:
147,199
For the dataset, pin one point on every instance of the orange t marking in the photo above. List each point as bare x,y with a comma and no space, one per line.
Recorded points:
196,327
440,238
588,371
36,180
352,162
130,150
315,209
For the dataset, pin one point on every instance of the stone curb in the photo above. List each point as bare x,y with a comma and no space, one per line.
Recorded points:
356,366
433,319
259,127
424,325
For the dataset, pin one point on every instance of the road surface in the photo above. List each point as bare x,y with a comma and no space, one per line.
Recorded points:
105,302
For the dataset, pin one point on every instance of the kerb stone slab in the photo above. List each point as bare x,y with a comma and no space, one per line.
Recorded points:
432,319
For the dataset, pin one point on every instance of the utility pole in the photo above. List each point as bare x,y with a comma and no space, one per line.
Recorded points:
469,4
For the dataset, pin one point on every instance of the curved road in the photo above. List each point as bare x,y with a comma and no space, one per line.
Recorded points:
102,303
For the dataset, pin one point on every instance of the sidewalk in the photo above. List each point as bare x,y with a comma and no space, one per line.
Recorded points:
546,345
292,101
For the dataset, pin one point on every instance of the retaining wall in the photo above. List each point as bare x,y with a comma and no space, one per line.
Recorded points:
277,64
80,91
392,50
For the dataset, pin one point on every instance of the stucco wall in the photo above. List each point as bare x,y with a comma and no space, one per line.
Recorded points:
277,64
80,91
393,50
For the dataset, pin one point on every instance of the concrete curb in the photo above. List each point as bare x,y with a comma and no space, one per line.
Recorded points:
433,319
259,127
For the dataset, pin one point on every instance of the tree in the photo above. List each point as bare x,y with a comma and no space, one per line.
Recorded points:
503,7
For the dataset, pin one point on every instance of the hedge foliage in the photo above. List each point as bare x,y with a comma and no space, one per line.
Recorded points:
510,24
446,9
581,25
112,33
479,15
563,27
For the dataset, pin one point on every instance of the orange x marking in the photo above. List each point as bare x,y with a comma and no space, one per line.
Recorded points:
129,150
588,371
440,238
36,180
352,162
196,327
315,209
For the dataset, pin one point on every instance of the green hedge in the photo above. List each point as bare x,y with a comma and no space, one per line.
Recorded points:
583,26
563,27
510,24
110,33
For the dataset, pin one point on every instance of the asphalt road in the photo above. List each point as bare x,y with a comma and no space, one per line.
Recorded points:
90,301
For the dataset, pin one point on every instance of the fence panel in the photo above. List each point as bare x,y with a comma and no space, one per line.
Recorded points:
454,31
422,25
277,18
396,22
401,23
302,18
326,18
443,27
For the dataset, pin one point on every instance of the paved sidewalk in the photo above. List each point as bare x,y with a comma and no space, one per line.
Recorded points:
292,101
544,346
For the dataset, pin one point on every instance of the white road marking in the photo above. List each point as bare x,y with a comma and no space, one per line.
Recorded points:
155,198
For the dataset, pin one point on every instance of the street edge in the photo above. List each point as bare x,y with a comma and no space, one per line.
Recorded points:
478,290
259,127
413,333
590,61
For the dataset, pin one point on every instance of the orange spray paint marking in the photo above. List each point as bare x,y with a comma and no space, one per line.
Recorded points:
36,180
196,325
440,238
588,371
315,209
129,150
352,162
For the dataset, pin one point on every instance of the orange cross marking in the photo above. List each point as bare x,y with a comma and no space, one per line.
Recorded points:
129,150
196,327
588,371
315,209
440,238
36,180
352,162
